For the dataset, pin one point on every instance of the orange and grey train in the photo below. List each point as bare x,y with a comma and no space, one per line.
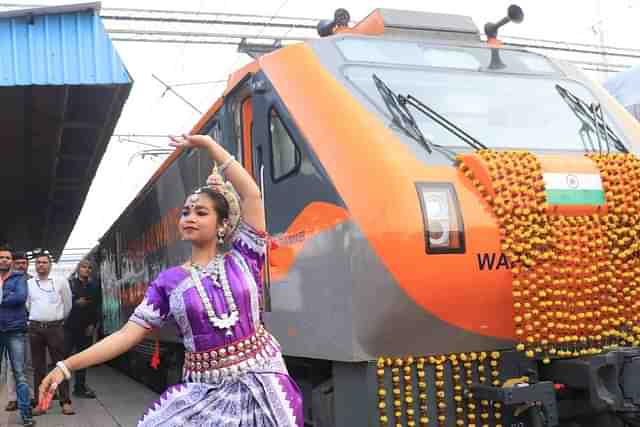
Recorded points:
454,228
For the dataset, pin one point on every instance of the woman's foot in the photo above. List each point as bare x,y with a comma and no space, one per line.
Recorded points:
12,405
67,409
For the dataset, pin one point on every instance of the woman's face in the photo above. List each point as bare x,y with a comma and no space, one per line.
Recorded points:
198,220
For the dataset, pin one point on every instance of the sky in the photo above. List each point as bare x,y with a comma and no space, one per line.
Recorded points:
121,174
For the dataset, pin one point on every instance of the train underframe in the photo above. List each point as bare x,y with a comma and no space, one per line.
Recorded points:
510,390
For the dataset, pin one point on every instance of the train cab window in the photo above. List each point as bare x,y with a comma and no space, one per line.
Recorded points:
215,131
285,155
233,143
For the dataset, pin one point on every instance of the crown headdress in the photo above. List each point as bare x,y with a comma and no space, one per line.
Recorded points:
224,188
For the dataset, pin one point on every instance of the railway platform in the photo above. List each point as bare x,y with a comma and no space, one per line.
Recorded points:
121,402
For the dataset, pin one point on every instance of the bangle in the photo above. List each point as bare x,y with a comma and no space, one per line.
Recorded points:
65,371
226,164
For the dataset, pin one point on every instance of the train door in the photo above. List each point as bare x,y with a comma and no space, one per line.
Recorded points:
240,122
290,177
267,149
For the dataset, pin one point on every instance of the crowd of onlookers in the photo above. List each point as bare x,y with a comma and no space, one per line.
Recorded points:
40,314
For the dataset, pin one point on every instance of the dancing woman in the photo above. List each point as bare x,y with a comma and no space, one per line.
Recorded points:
234,374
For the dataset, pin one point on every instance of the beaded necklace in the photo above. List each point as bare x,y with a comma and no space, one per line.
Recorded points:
219,278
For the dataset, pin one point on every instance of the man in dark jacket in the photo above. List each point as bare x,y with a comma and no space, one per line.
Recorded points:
20,264
82,321
13,328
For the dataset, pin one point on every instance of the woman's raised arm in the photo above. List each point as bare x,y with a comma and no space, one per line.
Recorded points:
242,181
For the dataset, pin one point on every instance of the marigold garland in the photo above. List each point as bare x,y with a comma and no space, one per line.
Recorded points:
575,278
452,370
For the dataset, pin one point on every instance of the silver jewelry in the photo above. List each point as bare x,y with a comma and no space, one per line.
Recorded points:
65,371
219,278
193,199
226,164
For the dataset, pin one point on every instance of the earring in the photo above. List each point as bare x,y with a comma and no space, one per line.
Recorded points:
220,236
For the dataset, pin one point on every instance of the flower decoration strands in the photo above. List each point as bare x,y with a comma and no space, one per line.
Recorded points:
409,390
423,406
383,418
224,321
482,379
441,397
457,390
396,391
407,377
495,382
576,279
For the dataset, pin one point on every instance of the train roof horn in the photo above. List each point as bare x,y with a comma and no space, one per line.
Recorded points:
341,18
514,14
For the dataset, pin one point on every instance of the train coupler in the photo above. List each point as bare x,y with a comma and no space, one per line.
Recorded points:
522,397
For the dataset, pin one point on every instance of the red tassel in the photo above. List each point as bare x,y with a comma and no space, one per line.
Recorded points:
155,358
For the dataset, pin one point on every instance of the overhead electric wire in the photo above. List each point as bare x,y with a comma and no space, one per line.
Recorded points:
175,41
210,22
166,11
591,45
582,51
204,34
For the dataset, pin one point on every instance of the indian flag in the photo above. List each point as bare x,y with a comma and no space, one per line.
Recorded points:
573,188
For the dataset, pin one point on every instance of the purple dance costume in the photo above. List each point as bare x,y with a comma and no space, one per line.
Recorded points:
233,376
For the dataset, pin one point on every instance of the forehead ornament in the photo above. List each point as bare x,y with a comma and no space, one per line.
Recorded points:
193,199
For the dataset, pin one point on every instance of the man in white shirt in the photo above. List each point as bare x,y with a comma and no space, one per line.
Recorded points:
49,303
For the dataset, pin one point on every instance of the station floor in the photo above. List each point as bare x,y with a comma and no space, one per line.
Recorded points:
120,403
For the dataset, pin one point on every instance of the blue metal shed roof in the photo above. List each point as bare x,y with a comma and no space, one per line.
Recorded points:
62,90
63,46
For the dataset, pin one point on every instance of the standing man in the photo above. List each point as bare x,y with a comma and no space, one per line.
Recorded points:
49,303
13,327
20,264
82,322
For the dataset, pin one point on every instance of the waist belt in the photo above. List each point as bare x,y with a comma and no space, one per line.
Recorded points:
53,323
231,359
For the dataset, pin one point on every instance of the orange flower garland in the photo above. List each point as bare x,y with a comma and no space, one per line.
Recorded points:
575,278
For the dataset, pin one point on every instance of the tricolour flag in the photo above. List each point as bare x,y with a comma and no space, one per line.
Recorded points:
573,188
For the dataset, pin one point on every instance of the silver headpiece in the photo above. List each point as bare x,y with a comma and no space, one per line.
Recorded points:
225,188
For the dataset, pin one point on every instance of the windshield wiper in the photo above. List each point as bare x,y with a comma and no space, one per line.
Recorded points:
441,120
594,114
401,117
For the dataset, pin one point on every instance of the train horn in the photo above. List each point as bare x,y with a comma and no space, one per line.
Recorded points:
514,14
327,27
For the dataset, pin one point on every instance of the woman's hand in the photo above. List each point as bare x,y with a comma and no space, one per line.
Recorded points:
50,383
215,181
191,141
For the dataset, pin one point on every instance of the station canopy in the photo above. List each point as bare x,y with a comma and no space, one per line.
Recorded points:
62,89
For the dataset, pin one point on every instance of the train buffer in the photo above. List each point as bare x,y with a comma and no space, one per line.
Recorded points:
121,402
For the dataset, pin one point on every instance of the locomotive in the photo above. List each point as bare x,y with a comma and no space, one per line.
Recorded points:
453,228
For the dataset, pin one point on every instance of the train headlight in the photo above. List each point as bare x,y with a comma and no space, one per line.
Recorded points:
444,230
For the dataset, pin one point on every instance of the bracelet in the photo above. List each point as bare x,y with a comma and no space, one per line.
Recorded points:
65,371
226,163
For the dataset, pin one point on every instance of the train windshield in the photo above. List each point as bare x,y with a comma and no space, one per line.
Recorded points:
511,101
